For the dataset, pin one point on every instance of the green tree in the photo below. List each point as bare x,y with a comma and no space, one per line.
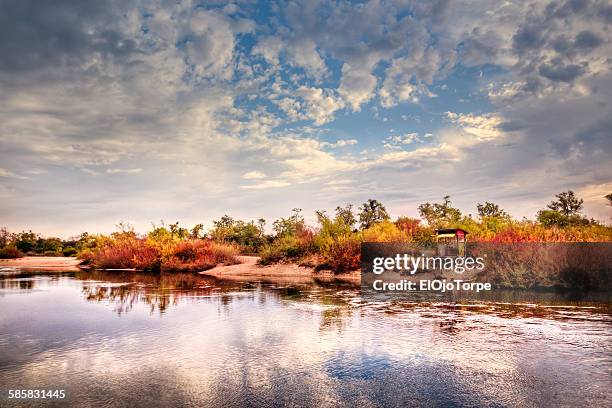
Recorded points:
5,237
247,235
439,214
552,218
566,203
490,210
372,212
261,223
290,226
346,215
197,231
26,241
52,245
178,231
222,228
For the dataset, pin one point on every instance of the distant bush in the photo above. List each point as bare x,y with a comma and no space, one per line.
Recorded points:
69,251
523,265
344,255
10,253
199,255
248,236
287,248
159,251
384,231
125,252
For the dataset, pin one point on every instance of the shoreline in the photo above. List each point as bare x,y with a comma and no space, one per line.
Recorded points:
245,270
248,269
53,263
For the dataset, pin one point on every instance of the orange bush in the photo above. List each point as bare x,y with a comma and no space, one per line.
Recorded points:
126,252
199,255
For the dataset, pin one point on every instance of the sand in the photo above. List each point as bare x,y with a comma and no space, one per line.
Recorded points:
248,269
48,263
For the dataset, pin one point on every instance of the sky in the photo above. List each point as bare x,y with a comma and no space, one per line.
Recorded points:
142,111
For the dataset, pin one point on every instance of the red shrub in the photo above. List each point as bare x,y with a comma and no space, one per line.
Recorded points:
199,255
125,253
345,255
10,253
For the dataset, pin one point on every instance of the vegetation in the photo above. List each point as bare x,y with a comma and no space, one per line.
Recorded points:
333,244
162,249
16,245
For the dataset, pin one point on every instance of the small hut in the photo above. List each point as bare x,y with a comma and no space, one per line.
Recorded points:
451,241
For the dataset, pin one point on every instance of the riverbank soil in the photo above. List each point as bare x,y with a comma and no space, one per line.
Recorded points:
249,269
48,263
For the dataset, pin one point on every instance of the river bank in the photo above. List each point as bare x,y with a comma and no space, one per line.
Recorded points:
46,263
248,268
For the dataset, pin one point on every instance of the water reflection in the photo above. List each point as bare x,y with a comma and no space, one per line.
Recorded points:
134,339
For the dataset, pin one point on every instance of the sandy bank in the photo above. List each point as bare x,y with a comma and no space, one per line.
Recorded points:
248,269
48,263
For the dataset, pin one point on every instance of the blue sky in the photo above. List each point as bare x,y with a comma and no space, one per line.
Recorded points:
139,111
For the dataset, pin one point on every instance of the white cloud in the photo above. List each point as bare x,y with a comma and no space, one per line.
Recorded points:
253,175
126,171
269,48
302,52
357,86
483,127
210,44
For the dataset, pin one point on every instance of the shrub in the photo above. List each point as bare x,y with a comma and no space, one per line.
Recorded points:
69,251
157,252
344,255
286,248
126,252
384,231
199,255
10,253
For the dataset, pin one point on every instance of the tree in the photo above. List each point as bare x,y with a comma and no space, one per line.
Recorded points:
290,226
26,241
261,224
553,218
567,203
372,212
5,237
490,210
408,225
196,231
609,198
346,215
178,231
222,228
438,214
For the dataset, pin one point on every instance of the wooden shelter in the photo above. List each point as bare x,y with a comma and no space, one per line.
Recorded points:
451,241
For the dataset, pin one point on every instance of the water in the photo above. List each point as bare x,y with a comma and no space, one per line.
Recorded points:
126,339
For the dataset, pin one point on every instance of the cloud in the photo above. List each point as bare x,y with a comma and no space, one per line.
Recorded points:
253,175
200,96
126,171
342,143
556,71
357,86
269,48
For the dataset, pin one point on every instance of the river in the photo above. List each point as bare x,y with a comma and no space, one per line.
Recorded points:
129,339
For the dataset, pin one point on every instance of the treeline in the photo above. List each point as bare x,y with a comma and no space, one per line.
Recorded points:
333,244
16,245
